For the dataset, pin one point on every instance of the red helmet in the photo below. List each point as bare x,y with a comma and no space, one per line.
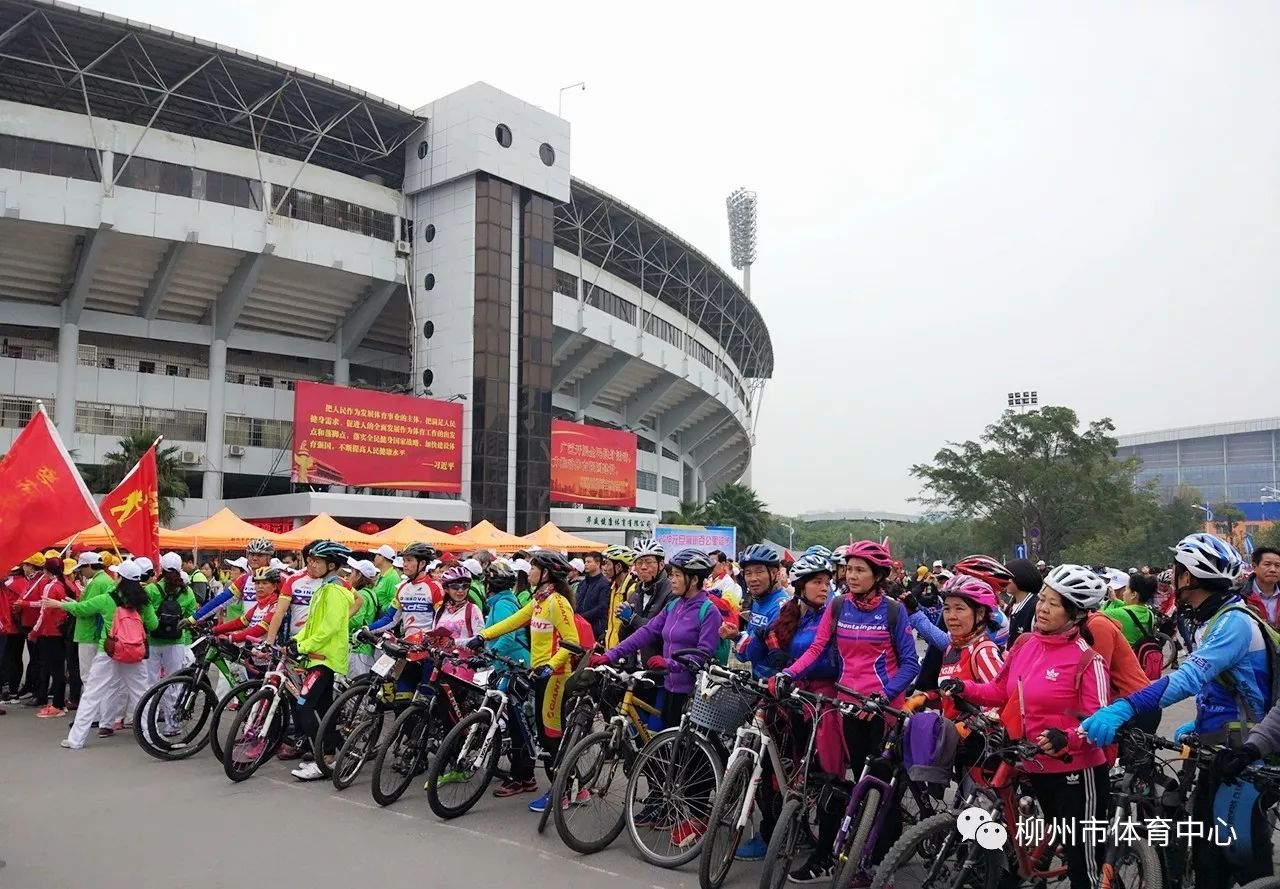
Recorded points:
872,553
985,569
971,588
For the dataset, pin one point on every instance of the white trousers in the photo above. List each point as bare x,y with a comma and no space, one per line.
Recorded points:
108,680
86,652
163,662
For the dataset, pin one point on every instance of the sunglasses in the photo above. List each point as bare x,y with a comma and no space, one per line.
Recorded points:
456,586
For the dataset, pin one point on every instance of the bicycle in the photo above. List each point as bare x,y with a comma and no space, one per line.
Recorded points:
262,720
581,707
590,767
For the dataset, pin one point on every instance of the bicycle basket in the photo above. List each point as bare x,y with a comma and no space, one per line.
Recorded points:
718,706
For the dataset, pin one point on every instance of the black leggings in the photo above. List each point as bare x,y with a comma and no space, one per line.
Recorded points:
11,669
50,671
521,762
863,739
307,716
1071,798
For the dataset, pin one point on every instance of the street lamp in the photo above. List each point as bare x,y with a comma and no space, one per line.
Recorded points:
791,535
741,205
1270,494
581,84
1208,513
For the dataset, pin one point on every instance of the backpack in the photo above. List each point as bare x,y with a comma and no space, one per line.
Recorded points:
1149,649
723,648
126,641
1271,641
169,615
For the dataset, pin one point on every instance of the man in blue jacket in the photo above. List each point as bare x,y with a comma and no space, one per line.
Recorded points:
762,570
593,595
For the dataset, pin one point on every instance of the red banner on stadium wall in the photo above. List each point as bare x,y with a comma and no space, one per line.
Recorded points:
358,437
591,465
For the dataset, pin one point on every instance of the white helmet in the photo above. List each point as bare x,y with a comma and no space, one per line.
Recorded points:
1208,557
1078,585
649,546
807,566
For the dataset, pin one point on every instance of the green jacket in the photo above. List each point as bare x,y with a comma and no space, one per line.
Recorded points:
363,617
477,593
385,589
1135,621
325,633
86,628
186,601
104,607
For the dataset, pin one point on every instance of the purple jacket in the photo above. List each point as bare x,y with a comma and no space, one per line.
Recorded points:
676,626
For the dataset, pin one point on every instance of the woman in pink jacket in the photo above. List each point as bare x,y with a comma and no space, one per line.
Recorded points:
1053,679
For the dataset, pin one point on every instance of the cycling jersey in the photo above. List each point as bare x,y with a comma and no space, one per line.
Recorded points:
978,660
299,590
824,671
413,607
324,638
928,629
764,611
252,625
549,618
248,589
619,592
874,660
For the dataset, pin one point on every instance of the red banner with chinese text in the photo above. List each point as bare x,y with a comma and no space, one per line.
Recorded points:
132,511
591,465
358,437
43,499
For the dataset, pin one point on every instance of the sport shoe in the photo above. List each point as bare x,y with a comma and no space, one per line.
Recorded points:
118,725
50,712
446,778
817,872
515,788
581,798
687,833
308,771
753,849
68,745
540,804
288,752
105,732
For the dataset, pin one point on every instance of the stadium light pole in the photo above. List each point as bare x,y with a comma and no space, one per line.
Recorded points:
741,205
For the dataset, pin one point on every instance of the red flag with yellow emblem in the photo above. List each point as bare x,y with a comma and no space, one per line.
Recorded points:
43,499
132,511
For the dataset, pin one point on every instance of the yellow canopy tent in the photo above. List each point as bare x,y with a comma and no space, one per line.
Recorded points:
549,536
409,530
224,530
326,527
486,536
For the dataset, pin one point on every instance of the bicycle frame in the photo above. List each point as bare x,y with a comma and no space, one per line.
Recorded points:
754,741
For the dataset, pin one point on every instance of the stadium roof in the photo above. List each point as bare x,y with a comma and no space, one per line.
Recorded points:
1208,430
56,55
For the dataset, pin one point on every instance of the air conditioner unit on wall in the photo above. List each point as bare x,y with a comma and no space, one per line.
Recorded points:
402,248
189,458
235,450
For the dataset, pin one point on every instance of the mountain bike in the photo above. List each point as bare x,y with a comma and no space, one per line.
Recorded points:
225,713
581,708
263,719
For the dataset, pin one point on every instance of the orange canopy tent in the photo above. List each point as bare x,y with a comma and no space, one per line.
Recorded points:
486,536
409,530
100,535
549,536
223,530
326,527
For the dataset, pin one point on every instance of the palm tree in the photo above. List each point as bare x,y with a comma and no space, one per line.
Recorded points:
689,513
169,479
738,505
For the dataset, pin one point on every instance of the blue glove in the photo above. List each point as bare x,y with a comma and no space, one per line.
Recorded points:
626,612
543,672
1181,732
1102,726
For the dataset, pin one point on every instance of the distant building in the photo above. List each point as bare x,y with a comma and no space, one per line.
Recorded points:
858,515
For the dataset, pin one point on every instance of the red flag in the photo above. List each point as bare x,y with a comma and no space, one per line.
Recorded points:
131,512
42,496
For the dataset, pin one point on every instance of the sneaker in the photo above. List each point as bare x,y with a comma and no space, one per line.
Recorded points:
308,771
687,833
105,732
515,788
447,778
73,705
118,725
753,849
288,752
819,872
68,745
233,706
540,804
582,798
655,816
50,712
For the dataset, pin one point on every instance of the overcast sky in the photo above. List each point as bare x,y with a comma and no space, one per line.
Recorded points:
1079,198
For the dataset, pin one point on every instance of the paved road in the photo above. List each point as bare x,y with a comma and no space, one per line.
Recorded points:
111,817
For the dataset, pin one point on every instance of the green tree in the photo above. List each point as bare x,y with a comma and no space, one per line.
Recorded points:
1034,468
689,513
1268,536
738,505
115,466
1141,534
1225,516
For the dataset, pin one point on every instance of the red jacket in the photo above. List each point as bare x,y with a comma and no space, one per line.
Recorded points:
48,621
11,589
29,601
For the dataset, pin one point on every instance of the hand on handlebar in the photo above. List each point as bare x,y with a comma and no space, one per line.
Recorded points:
951,687
780,685
1052,741
475,643
598,660
656,662
543,672
1230,764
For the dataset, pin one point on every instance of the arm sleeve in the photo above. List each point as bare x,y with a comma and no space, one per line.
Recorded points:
253,633
756,649
229,626
391,616
517,621
509,645
908,661
646,635
1224,646
214,604
820,639
566,629
931,632
87,608
709,634
986,663
991,694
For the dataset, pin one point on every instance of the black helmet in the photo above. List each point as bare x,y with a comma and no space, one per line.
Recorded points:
423,552
500,575
692,561
553,562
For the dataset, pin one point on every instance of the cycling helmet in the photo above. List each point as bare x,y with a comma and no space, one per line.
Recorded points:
807,566
874,554
331,551
970,588
1208,557
551,561
1166,577
818,550
649,546
1078,585
985,569
423,552
456,574
692,561
260,546
269,575
624,554
838,555
501,574
762,554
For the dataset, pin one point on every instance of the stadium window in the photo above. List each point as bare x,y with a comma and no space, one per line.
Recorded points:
646,481
146,367
643,444
670,454
671,486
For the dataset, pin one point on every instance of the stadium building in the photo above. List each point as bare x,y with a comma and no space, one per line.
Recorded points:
188,231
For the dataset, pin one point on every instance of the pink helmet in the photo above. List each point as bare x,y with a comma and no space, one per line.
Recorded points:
870,552
966,587
456,574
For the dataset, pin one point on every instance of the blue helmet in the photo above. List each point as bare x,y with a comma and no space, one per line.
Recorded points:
1208,557
330,551
762,554
818,550
692,561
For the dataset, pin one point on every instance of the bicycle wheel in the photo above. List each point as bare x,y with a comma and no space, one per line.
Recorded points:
723,833
463,766
340,718
670,791
360,747
253,739
194,699
849,859
1263,883
220,722
783,845
932,855
593,777
1135,865
577,726
402,757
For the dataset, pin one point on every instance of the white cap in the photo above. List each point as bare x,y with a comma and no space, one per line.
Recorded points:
171,562
386,551
278,565
1040,564
1116,579
186,578
89,558
397,562
937,564
242,563
364,566
521,565
578,565
130,570
431,566
473,566
144,564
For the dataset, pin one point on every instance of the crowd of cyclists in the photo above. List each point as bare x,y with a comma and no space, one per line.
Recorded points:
973,672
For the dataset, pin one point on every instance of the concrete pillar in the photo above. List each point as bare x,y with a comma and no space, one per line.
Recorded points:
342,372
64,406
213,430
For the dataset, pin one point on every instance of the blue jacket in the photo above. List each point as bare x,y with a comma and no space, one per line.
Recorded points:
593,602
502,605
933,631
828,666
764,611
684,624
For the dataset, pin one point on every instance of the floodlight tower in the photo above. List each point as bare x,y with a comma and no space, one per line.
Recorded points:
742,233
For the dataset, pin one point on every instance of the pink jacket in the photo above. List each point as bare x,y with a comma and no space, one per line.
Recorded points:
1055,682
